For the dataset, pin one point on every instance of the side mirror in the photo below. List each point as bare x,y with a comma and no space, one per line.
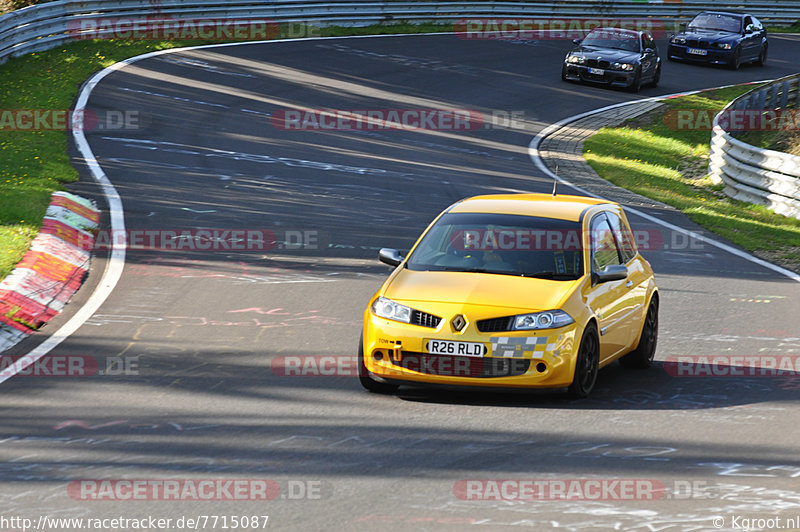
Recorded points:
612,272
577,41
648,50
751,28
682,25
390,256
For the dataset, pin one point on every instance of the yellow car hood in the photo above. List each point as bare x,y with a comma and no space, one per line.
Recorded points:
479,289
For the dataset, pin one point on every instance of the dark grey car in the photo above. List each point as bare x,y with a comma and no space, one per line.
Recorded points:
615,57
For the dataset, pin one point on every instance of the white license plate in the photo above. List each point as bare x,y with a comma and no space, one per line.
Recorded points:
696,51
447,347
598,71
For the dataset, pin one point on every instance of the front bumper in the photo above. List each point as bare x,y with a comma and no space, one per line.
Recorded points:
614,78
397,352
714,56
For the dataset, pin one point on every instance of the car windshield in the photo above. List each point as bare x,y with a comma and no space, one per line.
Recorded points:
502,244
610,38
716,22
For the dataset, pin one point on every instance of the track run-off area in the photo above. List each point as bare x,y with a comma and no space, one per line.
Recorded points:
191,346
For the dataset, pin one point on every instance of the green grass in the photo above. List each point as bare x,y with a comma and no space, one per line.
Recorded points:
34,164
669,166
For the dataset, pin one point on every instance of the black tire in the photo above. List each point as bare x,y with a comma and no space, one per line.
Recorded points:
564,73
762,57
586,366
642,357
636,86
736,60
656,76
368,382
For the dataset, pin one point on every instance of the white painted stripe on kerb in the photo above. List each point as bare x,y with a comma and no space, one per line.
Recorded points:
533,152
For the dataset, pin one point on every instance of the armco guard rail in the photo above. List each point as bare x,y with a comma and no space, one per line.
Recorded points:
45,26
756,175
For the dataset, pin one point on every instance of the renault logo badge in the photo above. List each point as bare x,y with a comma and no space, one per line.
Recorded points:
458,322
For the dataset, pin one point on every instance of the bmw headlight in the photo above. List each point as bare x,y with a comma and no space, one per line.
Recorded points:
551,319
723,45
579,59
386,308
678,40
624,66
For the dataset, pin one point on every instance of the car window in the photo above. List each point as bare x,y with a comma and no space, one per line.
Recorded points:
715,21
747,21
604,245
648,41
502,244
612,38
624,237
758,24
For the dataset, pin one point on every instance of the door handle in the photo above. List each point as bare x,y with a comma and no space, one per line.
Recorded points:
629,284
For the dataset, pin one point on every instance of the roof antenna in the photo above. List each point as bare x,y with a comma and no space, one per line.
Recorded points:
555,182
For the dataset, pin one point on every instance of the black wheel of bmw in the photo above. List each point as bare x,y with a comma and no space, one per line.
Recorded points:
736,60
564,73
368,382
586,366
642,356
762,57
656,76
636,86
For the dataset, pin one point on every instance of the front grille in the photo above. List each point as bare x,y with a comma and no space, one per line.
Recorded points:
423,319
496,325
694,43
596,63
456,366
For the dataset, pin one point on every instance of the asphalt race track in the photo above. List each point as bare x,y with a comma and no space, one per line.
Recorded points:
211,331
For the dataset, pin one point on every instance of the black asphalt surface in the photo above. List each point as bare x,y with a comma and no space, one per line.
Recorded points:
207,399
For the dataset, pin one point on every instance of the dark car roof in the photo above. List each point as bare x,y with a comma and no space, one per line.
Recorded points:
616,30
729,13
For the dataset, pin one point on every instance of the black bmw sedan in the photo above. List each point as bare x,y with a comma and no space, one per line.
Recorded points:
616,57
724,38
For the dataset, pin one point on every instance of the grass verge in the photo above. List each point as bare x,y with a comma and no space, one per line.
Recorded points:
669,165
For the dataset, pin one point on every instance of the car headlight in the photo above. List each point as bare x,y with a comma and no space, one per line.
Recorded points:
386,308
678,40
723,45
551,319
579,59
624,66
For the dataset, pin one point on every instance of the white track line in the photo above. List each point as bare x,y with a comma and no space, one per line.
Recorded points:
533,152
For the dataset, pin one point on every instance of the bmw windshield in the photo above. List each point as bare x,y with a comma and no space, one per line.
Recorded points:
503,244
610,38
716,22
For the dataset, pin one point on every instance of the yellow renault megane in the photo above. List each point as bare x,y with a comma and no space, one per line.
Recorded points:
515,291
